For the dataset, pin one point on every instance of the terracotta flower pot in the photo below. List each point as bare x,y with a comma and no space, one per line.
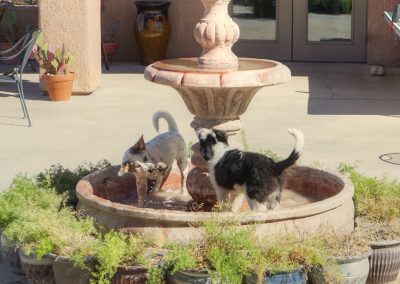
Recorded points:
38,271
298,276
59,86
152,30
352,270
110,48
11,253
384,263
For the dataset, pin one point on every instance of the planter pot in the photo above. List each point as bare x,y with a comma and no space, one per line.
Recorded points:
38,271
11,253
130,275
182,277
65,272
352,270
384,262
295,277
110,47
59,86
152,30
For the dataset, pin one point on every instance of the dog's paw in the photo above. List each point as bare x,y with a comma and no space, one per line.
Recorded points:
161,166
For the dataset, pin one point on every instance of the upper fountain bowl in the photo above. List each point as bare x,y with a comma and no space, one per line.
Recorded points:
187,72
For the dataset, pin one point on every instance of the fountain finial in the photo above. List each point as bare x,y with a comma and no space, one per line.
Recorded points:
216,33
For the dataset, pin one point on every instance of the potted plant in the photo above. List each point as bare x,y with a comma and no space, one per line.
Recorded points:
224,254
57,65
287,257
377,211
123,258
21,197
53,243
110,46
350,252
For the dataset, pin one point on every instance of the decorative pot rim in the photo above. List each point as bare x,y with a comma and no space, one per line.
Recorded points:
301,268
65,258
31,259
58,76
378,244
353,258
152,3
84,192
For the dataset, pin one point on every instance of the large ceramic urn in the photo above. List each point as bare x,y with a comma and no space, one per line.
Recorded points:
152,30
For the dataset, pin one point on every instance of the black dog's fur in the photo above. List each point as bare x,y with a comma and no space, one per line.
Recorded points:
258,177
258,172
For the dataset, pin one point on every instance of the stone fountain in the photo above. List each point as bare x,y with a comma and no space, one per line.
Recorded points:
217,88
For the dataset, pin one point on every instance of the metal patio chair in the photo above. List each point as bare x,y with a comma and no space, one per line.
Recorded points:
14,76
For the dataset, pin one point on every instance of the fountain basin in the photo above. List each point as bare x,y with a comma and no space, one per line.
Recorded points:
186,72
311,198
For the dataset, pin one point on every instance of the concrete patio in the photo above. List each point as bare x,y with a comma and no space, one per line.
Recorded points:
346,116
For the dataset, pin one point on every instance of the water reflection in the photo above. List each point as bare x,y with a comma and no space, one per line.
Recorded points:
256,18
329,20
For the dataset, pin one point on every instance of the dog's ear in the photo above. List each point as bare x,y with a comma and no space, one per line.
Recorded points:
140,145
221,136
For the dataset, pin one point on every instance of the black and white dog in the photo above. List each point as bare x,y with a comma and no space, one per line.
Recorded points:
237,174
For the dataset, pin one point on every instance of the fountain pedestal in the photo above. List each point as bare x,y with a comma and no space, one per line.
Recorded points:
217,98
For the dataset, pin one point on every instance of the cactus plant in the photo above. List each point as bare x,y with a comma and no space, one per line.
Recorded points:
54,61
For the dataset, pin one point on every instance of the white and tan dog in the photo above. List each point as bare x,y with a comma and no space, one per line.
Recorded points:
154,159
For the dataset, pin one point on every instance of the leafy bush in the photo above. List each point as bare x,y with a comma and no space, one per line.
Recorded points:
288,252
64,180
40,231
225,251
375,198
377,205
119,249
22,196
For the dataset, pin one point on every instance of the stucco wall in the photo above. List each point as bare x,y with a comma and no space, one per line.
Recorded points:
76,23
183,16
382,48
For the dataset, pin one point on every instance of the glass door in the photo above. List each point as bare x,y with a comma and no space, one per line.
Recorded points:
329,30
302,30
265,28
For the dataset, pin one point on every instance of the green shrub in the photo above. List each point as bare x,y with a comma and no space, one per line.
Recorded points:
64,180
288,252
41,231
119,249
346,6
24,195
225,251
375,198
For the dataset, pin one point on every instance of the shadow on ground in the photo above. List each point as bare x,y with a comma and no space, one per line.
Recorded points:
350,90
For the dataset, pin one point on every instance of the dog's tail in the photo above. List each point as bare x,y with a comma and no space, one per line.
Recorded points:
172,127
295,155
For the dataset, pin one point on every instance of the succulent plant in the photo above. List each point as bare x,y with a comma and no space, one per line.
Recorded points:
54,61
